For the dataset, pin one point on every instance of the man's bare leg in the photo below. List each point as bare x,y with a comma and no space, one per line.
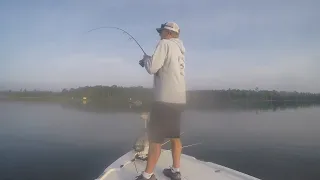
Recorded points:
176,152
153,156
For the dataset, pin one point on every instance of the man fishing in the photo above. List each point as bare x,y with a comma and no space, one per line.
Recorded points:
167,65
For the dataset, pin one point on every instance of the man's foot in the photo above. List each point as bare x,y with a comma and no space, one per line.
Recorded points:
140,177
171,174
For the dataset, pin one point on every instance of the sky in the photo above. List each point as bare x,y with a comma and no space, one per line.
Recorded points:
273,45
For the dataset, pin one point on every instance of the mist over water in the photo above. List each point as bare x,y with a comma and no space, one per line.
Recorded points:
49,141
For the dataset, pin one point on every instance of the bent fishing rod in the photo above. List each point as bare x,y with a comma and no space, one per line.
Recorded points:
113,27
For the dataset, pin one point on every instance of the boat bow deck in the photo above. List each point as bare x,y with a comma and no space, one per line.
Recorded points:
191,169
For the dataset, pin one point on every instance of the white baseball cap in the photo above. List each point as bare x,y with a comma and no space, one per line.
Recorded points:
172,26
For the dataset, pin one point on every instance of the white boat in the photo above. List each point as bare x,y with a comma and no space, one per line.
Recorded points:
130,165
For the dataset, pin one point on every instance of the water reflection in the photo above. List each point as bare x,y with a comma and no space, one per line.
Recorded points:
89,106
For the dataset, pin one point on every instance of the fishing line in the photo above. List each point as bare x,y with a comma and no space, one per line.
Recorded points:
112,27
134,162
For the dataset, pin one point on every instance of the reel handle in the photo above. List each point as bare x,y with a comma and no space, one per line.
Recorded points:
141,62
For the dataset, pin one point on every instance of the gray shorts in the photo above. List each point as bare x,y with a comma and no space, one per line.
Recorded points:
165,120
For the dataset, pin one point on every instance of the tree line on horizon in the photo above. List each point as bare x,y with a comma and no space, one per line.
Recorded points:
197,98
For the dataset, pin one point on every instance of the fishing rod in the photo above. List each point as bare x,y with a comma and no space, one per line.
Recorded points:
195,144
125,32
169,140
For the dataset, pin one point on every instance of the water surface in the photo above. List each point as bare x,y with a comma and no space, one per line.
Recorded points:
40,141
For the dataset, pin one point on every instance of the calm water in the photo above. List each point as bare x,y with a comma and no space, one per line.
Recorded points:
49,142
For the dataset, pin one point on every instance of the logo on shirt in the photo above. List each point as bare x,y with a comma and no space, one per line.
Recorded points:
182,64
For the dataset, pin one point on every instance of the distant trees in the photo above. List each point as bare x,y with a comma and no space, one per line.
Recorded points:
26,93
200,98
109,94
223,98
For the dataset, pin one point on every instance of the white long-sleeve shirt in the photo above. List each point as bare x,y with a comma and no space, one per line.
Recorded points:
167,64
